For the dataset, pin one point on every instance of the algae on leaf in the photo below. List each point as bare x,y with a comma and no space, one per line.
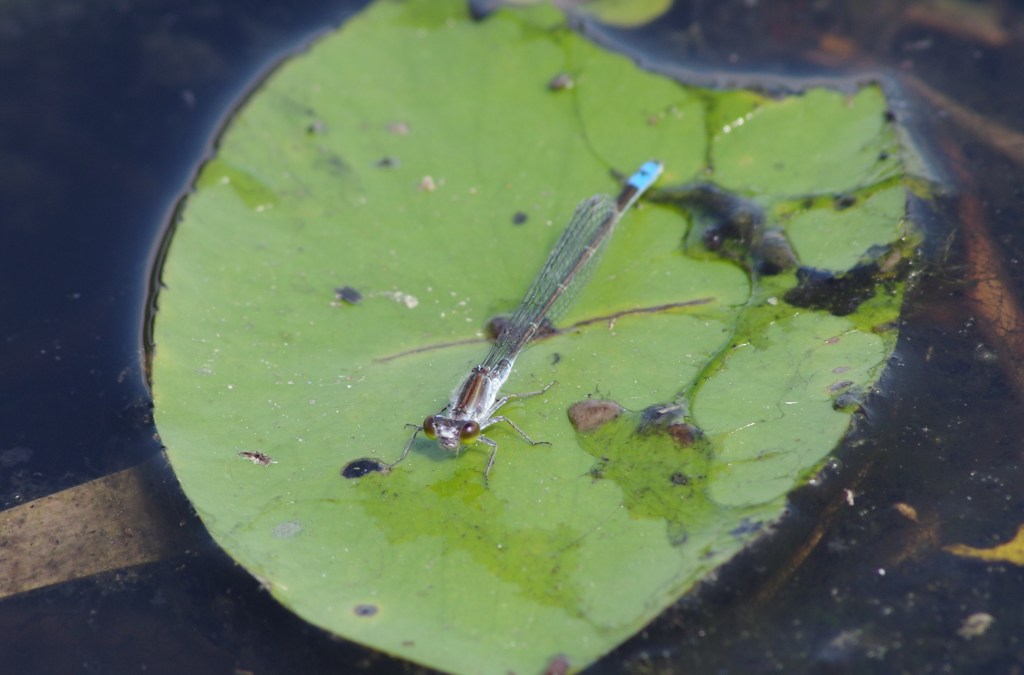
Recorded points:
419,159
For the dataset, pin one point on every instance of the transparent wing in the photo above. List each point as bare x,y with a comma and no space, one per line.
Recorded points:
565,271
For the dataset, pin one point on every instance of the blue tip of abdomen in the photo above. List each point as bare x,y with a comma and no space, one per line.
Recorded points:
646,175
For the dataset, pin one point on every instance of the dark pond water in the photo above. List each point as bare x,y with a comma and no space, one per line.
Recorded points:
107,109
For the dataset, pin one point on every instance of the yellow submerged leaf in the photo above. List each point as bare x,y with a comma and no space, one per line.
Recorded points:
1011,552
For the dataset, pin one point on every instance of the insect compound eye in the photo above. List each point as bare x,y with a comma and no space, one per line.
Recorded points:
469,432
429,430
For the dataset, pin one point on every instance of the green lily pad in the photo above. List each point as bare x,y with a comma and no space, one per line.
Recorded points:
381,197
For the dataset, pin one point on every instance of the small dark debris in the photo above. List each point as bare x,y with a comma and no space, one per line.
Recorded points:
360,467
365,610
257,457
560,82
388,163
882,156
348,295
890,116
679,478
843,202
316,128
519,217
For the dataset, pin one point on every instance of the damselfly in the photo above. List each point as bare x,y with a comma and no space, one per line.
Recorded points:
474,404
